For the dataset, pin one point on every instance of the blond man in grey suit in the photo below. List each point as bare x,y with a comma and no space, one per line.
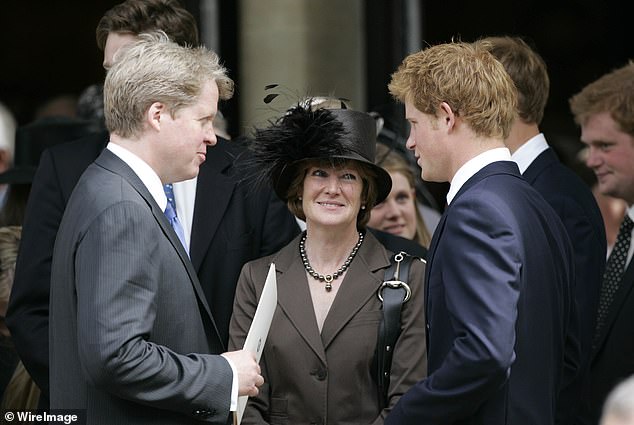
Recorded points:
132,339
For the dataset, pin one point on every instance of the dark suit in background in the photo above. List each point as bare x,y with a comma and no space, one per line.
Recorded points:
397,244
603,110
498,275
566,193
232,224
130,330
612,360
575,205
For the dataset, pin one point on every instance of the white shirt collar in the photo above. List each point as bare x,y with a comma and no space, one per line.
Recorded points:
474,165
147,175
529,151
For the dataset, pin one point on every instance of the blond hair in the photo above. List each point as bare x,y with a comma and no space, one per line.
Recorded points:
155,69
468,78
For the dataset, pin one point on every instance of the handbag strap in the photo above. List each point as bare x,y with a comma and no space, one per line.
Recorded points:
394,292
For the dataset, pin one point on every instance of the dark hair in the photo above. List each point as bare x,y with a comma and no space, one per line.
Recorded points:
137,16
368,193
527,70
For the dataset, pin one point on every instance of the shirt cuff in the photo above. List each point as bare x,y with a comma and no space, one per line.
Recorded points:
234,386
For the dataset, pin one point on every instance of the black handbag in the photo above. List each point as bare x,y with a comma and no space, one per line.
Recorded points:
393,293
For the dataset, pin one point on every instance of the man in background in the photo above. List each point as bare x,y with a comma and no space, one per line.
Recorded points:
605,111
566,193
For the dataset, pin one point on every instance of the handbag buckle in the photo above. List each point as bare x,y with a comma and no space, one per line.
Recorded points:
395,284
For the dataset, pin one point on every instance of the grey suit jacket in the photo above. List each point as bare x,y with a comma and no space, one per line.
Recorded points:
329,377
130,331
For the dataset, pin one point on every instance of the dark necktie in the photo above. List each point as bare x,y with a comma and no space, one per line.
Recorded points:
614,269
170,213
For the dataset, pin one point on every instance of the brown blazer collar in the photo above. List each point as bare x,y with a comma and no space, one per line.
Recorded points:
359,285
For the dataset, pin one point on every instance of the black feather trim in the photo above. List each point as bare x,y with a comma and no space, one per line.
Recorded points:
270,97
300,134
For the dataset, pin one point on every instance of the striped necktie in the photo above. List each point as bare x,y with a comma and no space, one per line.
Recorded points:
172,217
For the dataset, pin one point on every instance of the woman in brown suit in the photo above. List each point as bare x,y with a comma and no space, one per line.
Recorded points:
319,362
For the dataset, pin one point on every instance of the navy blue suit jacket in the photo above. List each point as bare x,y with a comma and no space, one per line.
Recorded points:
575,205
498,306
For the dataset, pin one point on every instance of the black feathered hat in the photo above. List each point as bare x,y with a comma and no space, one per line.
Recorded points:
303,134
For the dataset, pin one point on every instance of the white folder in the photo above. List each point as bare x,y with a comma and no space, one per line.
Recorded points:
256,338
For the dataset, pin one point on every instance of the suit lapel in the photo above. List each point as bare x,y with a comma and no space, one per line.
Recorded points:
113,163
498,167
294,298
440,227
495,168
359,285
213,193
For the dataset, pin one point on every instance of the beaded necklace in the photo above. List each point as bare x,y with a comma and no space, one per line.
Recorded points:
329,277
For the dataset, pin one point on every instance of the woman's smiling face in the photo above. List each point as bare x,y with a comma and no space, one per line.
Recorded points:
331,195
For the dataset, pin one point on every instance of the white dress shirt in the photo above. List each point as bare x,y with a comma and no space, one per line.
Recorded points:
185,197
184,192
529,151
471,167
148,176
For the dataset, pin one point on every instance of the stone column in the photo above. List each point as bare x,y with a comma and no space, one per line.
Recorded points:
308,47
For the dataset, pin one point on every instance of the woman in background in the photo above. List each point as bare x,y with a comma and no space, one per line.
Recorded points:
20,392
398,213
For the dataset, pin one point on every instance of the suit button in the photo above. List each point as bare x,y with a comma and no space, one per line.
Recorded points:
204,413
321,374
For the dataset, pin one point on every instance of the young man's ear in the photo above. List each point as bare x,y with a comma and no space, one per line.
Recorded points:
448,115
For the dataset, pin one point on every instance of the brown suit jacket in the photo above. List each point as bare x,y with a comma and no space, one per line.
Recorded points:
328,378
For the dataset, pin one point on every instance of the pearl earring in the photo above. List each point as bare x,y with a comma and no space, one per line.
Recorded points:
362,207
300,198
